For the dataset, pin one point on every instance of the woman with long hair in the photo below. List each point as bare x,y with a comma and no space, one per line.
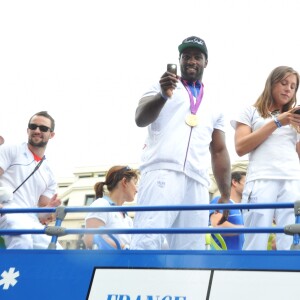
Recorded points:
268,131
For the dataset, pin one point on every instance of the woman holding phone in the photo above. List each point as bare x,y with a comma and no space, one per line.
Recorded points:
268,131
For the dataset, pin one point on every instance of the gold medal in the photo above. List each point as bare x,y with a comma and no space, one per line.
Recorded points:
191,120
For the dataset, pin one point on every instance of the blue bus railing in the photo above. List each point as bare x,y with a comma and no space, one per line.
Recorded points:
57,230
80,274
69,209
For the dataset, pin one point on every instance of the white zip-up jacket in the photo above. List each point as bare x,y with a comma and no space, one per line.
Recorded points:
173,145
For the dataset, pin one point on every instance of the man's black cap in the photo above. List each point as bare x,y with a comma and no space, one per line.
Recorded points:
193,42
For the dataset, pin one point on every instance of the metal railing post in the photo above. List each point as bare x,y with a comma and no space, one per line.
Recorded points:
296,238
56,230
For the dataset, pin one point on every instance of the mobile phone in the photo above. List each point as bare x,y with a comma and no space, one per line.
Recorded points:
297,112
172,68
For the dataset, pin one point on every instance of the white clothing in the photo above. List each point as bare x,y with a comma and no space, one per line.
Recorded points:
2,221
276,157
165,187
25,241
173,145
6,194
269,191
273,175
112,220
174,171
18,162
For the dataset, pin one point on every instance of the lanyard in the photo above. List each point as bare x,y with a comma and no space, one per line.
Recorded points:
111,203
35,169
194,105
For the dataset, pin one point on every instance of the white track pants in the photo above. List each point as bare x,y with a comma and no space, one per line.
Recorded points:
165,187
25,241
269,191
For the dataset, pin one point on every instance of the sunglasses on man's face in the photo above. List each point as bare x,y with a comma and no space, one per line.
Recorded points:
42,128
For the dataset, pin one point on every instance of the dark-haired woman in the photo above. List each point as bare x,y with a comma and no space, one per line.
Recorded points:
121,186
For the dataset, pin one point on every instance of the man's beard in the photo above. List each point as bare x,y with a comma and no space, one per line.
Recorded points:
192,78
38,145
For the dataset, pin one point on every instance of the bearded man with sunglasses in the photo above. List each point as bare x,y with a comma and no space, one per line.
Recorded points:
29,182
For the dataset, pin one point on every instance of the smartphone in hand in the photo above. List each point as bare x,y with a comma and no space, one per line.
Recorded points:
297,112
172,68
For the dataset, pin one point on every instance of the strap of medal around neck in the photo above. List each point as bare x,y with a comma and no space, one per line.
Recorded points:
194,105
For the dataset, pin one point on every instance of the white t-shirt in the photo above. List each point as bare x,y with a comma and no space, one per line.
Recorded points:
112,220
18,162
276,157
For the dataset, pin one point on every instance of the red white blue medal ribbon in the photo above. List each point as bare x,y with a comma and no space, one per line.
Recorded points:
192,119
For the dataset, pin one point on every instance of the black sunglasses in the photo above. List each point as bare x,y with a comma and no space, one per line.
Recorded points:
42,128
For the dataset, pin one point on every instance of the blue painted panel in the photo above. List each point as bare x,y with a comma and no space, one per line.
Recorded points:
66,274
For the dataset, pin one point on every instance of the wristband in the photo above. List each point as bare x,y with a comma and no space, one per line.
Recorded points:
165,97
278,124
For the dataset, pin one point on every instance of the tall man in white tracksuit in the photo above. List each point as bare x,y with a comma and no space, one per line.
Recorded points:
185,137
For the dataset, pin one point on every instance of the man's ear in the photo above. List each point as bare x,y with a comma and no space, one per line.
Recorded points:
206,62
52,134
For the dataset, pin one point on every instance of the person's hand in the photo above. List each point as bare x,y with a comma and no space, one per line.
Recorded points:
168,83
46,218
225,212
54,201
295,118
290,117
